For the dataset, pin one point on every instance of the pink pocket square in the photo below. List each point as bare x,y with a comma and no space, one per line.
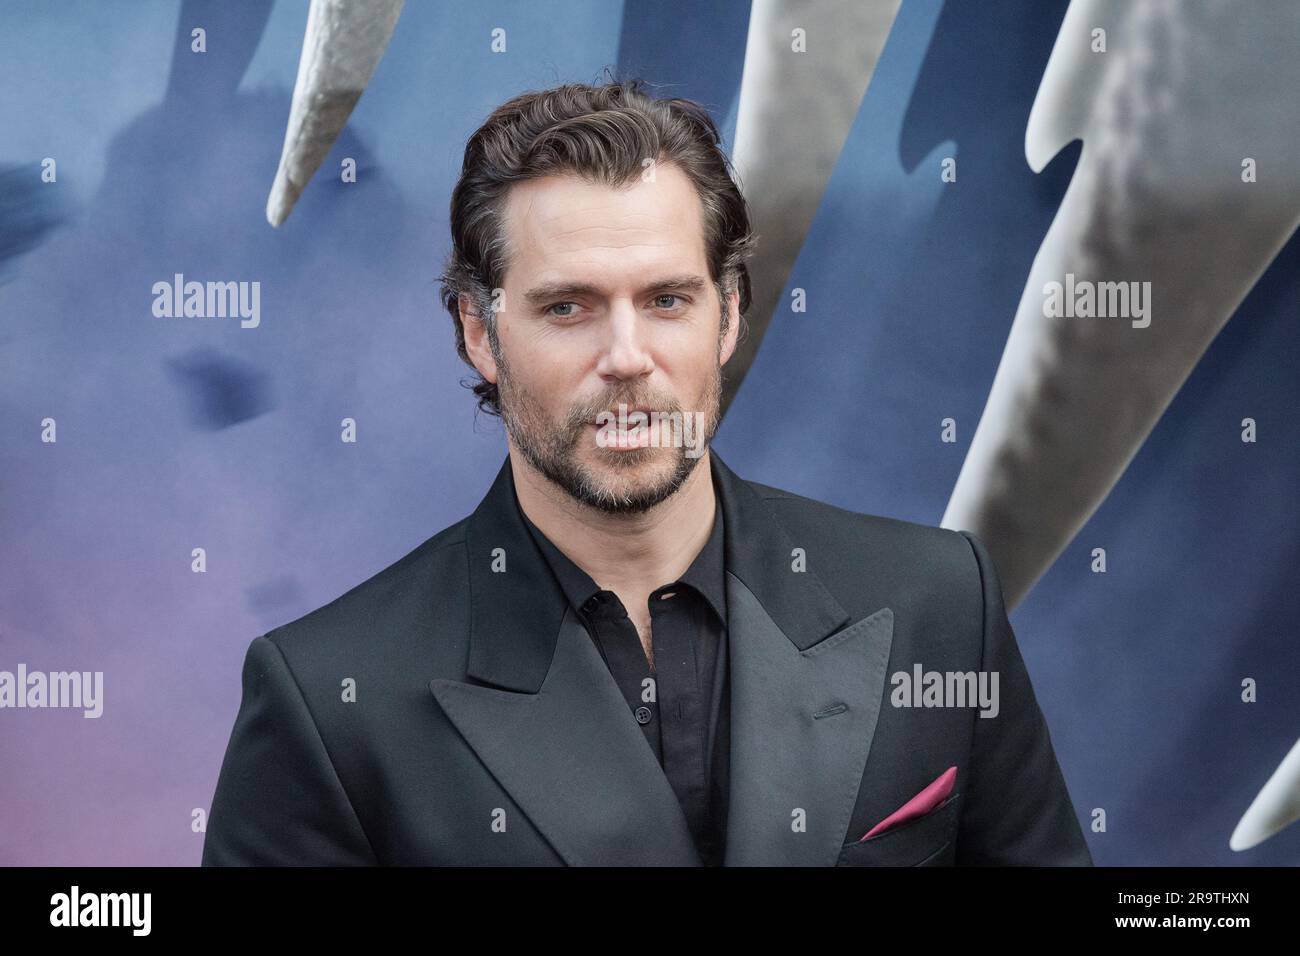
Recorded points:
928,799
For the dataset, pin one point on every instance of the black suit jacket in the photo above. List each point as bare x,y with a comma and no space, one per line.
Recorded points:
487,730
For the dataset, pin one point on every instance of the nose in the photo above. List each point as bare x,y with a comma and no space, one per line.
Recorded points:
627,353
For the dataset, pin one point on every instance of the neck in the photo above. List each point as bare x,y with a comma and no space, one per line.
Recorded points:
627,554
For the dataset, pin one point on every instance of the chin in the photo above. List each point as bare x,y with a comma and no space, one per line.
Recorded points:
635,479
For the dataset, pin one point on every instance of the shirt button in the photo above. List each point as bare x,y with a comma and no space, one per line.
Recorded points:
643,715
589,604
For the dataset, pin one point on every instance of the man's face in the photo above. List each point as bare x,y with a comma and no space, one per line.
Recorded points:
608,300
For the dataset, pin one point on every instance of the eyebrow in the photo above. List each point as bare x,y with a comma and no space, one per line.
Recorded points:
558,291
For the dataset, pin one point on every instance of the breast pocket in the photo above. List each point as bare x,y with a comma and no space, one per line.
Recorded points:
930,840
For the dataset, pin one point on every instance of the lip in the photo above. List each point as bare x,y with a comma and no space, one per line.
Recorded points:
639,435
614,415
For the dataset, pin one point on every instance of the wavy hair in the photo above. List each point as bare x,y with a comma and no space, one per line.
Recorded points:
602,133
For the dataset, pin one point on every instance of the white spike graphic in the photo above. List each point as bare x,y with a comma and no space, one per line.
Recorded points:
794,115
1186,97
1277,806
345,40
1158,196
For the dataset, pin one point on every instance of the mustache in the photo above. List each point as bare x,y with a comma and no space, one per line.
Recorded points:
583,414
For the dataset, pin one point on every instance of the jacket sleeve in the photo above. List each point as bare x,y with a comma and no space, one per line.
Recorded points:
1017,810
279,801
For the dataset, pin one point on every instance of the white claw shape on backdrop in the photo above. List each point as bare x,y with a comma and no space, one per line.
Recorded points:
345,41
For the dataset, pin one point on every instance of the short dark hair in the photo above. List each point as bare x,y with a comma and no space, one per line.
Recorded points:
602,133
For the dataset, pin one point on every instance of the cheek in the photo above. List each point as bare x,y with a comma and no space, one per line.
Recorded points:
694,381
551,377
566,359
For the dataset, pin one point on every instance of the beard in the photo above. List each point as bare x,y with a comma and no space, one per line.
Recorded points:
552,447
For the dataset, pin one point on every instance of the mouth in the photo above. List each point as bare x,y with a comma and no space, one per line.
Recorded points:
609,432
611,417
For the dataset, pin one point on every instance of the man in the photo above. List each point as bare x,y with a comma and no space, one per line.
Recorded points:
628,655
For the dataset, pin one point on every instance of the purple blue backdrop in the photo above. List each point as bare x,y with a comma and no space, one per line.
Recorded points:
175,434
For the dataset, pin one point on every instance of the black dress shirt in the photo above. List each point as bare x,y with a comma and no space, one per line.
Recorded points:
683,702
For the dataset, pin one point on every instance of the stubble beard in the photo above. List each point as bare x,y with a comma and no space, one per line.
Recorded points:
552,448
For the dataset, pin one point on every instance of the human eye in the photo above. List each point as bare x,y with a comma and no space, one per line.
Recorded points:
668,295
562,315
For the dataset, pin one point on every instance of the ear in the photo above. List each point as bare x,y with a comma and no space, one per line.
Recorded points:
477,345
733,325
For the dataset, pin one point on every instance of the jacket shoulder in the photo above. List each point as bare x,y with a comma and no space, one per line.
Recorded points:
869,559
799,510
400,594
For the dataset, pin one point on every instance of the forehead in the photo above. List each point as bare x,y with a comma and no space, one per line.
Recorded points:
562,222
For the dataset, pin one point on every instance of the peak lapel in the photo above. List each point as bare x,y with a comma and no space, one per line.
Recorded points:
802,722
541,709
550,723
806,692
575,761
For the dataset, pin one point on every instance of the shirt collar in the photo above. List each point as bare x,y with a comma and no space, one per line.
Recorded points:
705,574
514,619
